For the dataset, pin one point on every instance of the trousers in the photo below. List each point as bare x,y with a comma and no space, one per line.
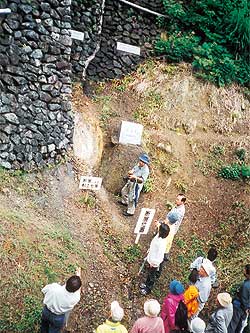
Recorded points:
51,323
239,317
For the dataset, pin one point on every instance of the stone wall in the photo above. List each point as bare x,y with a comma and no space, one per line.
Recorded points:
38,59
121,23
35,85
85,17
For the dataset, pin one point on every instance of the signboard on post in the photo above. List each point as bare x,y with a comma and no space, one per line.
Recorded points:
131,133
144,221
90,183
128,48
77,35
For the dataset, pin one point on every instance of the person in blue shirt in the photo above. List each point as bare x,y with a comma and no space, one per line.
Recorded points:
241,305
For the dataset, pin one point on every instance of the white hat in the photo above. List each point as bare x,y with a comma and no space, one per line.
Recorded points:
208,266
152,308
197,325
224,299
117,312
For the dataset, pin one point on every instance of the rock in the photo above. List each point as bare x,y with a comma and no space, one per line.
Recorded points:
12,118
26,8
51,148
5,164
189,126
37,54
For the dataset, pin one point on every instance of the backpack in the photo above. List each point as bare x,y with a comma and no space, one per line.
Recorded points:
181,316
190,299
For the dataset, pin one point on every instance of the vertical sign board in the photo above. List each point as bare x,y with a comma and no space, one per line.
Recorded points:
130,133
128,48
90,183
144,221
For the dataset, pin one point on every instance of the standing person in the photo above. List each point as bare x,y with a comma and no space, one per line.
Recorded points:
113,325
241,305
59,300
170,305
203,283
155,258
151,323
220,319
211,255
197,325
136,178
174,219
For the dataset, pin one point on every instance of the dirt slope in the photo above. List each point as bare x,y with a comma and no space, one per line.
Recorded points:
48,227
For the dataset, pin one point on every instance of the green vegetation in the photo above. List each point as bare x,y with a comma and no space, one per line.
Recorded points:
213,35
36,253
148,186
231,171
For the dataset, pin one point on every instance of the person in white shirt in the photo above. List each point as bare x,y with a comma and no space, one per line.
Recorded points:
155,258
174,219
58,301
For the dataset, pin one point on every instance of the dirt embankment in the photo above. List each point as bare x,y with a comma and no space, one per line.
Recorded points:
48,226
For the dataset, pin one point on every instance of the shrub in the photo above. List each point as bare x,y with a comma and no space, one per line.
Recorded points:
245,171
232,171
214,34
179,47
241,154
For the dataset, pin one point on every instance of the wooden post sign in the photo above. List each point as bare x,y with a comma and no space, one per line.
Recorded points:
144,221
130,133
90,183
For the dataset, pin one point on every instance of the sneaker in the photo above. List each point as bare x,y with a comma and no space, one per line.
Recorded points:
144,292
127,214
142,286
122,203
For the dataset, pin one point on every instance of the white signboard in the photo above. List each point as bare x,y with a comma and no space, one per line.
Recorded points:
128,48
131,133
77,35
90,183
5,11
144,221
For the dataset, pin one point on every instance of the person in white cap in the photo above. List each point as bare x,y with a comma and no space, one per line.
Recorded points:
220,319
150,323
203,284
197,325
113,325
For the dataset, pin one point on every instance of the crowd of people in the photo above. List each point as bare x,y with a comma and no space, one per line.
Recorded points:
181,308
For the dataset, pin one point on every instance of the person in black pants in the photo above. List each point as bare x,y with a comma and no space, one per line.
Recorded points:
155,258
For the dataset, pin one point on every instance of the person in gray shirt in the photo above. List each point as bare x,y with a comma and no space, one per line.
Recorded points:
220,319
135,180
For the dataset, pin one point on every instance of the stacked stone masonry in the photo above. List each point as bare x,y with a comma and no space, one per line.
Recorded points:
38,60
35,84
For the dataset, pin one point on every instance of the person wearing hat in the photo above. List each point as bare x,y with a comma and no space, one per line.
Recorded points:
113,325
170,305
220,319
155,258
197,325
136,178
211,255
150,323
203,283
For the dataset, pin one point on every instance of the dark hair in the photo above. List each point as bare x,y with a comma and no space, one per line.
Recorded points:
73,284
193,276
183,199
212,254
181,316
163,230
247,268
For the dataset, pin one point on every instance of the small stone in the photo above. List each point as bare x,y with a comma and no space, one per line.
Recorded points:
51,147
37,54
5,165
12,118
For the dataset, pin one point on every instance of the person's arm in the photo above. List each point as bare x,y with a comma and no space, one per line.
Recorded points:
135,328
196,263
164,309
171,309
220,324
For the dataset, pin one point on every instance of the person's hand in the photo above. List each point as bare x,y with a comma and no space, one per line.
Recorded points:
78,271
157,223
130,173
